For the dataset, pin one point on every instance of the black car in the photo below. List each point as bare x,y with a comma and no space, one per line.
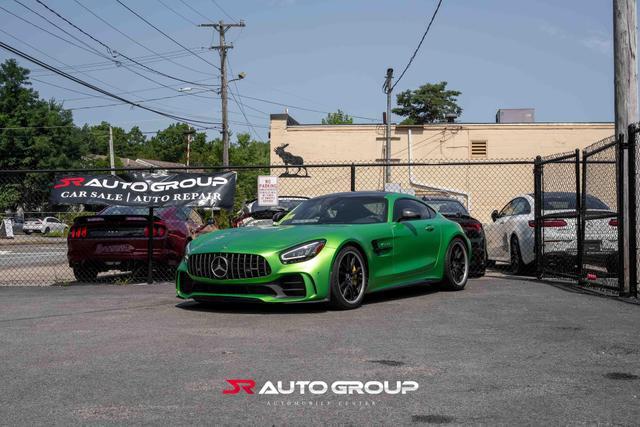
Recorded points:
455,211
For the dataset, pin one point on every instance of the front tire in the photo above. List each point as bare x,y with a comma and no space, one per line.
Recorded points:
456,266
348,279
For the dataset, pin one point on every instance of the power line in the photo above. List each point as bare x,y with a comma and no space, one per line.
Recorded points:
54,35
197,12
240,105
415,52
92,49
134,91
97,89
111,51
223,11
178,13
108,65
88,107
165,34
300,108
137,42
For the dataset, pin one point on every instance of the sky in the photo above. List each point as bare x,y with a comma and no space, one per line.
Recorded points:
554,56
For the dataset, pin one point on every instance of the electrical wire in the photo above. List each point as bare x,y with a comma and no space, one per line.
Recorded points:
178,13
112,51
415,52
166,35
93,50
97,89
301,108
54,35
239,103
197,12
124,103
223,11
137,42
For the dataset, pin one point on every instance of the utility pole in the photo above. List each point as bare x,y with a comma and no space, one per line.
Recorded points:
625,30
222,28
388,88
189,134
112,159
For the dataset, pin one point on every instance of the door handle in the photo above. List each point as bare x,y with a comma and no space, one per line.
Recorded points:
429,228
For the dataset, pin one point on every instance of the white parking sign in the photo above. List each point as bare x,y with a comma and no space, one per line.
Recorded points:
268,190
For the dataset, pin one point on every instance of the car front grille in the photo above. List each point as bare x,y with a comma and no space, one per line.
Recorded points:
228,266
288,286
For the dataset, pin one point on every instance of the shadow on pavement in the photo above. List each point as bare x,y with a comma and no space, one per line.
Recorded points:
249,307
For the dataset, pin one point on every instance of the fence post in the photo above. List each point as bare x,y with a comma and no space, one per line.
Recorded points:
621,210
150,247
537,195
353,177
581,190
632,211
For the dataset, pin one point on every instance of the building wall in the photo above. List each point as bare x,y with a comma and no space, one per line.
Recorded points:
487,187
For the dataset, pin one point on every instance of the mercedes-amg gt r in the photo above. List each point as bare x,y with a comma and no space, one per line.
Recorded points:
331,248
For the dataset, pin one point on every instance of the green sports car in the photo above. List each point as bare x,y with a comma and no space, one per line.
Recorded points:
331,248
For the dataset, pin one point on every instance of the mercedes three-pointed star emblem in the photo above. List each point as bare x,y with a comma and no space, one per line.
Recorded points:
219,267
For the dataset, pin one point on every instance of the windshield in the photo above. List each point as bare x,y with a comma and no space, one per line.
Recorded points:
448,207
136,210
286,204
339,210
553,202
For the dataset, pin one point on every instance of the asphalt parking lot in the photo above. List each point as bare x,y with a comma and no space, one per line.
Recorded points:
503,351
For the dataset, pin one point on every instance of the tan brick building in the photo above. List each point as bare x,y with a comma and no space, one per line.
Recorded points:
485,187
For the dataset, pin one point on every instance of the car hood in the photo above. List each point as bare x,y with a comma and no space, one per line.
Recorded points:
268,237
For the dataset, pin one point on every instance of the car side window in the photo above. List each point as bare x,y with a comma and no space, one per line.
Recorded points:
401,204
521,207
52,220
508,209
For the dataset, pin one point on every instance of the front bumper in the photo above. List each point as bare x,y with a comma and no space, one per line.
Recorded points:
305,281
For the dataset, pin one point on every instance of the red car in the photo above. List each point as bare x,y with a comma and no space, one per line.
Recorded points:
117,238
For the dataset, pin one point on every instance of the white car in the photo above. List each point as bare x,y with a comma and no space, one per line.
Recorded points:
510,237
44,226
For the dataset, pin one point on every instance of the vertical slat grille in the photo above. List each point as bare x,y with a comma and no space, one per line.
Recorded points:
239,266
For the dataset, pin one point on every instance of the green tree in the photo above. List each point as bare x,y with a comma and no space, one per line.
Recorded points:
338,118
430,103
34,134
169,145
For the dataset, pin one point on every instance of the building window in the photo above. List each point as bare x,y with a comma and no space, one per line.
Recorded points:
478,149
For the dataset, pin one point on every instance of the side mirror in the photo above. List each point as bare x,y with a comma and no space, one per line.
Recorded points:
278,216
495,215
408,215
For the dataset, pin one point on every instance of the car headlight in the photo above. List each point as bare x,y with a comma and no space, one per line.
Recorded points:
303,252
187,251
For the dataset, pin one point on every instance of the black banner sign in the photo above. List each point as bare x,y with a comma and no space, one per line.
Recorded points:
206,190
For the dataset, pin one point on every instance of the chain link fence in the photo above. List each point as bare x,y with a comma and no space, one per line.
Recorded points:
85,243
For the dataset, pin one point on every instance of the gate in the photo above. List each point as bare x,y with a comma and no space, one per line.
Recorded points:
602,226
557,203
578,216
